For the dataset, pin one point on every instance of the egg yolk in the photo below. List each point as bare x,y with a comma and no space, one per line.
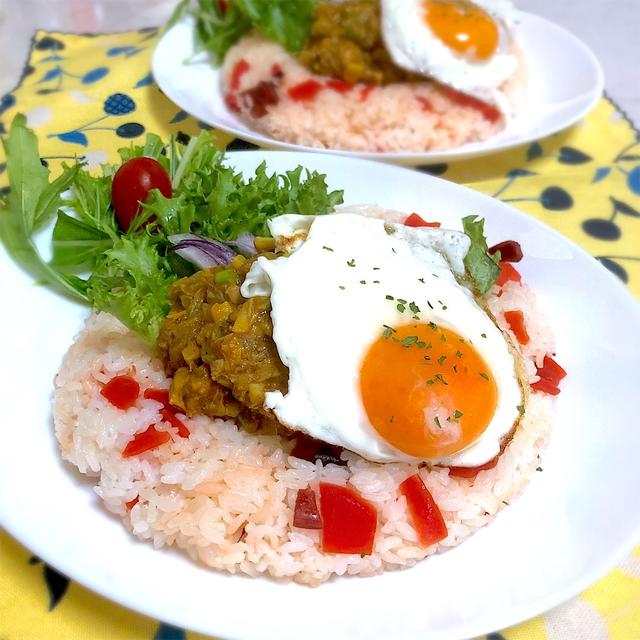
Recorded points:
426,390
463,26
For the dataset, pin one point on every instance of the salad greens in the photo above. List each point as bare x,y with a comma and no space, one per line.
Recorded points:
482,267
221,23
130,272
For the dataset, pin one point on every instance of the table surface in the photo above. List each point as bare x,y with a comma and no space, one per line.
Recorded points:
609,28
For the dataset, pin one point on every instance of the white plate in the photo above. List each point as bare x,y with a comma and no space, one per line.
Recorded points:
564,77
574,521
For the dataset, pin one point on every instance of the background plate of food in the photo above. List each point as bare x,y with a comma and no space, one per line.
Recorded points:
408,82
247,526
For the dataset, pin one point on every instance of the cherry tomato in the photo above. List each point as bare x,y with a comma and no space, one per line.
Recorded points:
131,186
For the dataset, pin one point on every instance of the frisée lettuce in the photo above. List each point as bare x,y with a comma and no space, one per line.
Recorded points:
128,273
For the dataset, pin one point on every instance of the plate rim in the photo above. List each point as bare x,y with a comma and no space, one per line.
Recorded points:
520,614
412,158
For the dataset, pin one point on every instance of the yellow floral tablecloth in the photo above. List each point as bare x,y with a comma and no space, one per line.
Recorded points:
89,95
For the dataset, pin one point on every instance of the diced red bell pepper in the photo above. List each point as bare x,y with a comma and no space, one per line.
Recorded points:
423,511
159,395
305,91
507,274
132,503
551,370
510,251
366,92
241,67
348,520
121,391
232,103
414,220
276,70
306,514
515,320
340,86
546,386
472,472
169,416
168,411
145,441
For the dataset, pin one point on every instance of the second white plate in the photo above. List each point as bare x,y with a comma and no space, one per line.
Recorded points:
565,82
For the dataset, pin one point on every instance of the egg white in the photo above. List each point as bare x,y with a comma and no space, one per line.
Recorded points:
415,48
325,319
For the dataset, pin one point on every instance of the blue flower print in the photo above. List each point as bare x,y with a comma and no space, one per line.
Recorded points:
119,104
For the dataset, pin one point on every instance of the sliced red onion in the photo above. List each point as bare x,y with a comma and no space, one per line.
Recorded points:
201,252
245,244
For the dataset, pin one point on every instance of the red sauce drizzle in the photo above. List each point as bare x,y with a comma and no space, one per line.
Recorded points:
488,111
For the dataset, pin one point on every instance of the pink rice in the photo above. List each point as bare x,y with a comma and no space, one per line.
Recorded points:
397,117
226,496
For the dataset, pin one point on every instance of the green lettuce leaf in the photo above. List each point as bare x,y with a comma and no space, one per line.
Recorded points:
132,281
76,243
31,203
90,200
287,22
217,29
130,273
482,266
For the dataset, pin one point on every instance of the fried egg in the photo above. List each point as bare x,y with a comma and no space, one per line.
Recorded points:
389,355
462,44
